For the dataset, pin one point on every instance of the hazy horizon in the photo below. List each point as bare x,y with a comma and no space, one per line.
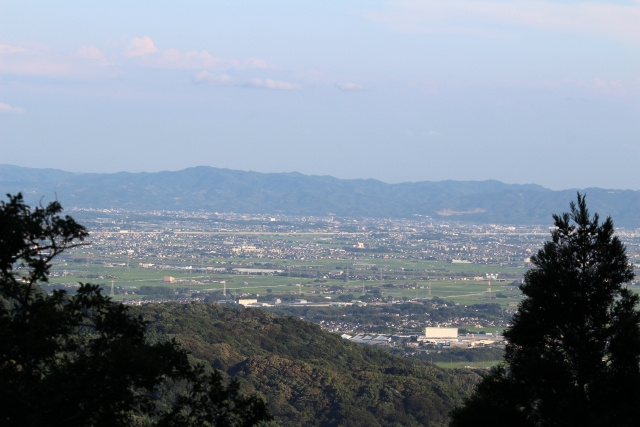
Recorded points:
321,175
522,92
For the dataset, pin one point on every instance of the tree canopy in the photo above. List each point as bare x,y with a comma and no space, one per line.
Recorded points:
84,359
573,352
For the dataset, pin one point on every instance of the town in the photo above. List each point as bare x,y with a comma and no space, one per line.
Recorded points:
358,277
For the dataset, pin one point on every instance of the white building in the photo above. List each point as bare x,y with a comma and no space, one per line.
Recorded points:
440,333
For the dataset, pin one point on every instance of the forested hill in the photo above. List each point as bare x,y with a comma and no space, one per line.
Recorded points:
224,190
309,376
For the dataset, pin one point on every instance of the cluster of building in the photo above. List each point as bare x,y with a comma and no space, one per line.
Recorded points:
229,235
407,322
213,242
440,337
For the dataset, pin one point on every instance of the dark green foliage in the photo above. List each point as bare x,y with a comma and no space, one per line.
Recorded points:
477,354
232,407
310,376
82,359
574,347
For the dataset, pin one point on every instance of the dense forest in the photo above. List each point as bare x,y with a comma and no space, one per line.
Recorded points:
309,376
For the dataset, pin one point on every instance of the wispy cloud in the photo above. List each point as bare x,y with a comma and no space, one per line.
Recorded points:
11,50
611,87
140,46
602,19
251,63
144,49
87,61
36,61
349,87
6,108
90,52
273,84
600,86
213,79
91,61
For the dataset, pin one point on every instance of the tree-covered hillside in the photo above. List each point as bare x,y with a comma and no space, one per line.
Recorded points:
224,190
309,376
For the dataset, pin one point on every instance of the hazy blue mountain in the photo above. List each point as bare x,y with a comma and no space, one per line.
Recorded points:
224,190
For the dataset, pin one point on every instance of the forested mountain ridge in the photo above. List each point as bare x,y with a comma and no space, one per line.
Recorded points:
223,190
309,376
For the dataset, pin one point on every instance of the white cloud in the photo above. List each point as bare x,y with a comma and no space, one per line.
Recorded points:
43,61
349,87
224,79
35,62
213,79
140,46
6,108
250,63
172,58
144,49
274,84
10,50
90,61
89,52
611,87
615,21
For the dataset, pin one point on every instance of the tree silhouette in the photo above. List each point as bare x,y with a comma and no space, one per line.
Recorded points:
83,359
573,349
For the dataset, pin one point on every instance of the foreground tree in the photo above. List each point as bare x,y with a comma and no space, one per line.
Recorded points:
573,353
83,359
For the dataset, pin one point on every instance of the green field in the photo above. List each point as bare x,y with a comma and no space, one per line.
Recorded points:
395,264
397,281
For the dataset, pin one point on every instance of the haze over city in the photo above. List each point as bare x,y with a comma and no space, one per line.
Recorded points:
544,92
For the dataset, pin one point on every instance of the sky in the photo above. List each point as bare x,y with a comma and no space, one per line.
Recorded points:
520,91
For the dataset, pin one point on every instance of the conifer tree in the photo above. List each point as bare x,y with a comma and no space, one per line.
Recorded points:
573,352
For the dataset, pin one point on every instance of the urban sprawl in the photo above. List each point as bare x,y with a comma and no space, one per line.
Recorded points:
374,281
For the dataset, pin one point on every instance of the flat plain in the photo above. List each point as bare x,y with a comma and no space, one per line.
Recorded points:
317,258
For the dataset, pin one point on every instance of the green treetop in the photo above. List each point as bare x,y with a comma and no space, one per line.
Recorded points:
573,352
83,359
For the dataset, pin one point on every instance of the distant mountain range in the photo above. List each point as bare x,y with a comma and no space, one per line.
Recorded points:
224,190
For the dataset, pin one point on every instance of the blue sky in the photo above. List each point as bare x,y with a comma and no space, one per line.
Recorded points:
544,92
